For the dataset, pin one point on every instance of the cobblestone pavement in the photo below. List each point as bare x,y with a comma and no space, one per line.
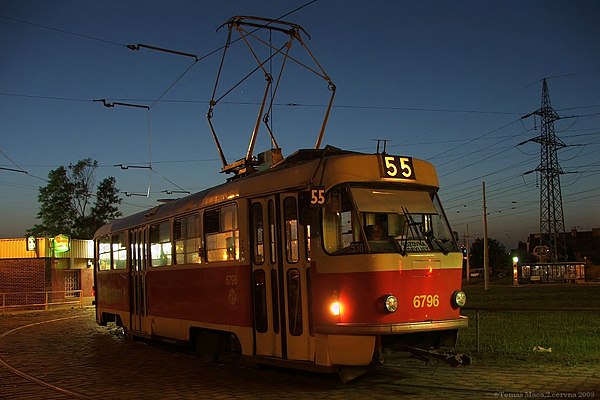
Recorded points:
67,349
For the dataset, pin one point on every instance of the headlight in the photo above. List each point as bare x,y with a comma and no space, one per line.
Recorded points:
391,303
459,298
335,308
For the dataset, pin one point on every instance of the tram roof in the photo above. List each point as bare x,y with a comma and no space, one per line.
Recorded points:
297,171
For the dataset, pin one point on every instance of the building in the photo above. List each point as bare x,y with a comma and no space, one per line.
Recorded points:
40,272
583,248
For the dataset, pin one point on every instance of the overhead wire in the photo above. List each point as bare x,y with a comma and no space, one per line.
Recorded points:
81,35
292,105
197,59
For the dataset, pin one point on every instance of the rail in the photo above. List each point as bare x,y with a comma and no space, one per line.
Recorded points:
478,310
39,300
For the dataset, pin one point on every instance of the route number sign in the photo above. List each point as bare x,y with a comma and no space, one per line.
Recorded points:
397,167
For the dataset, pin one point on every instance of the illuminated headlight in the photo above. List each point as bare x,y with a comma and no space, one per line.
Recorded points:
391,303
335,308
459,298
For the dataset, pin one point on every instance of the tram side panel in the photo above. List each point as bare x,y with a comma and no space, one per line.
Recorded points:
209,295
112,296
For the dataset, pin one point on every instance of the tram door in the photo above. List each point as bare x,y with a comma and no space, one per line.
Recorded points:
138,248
279,267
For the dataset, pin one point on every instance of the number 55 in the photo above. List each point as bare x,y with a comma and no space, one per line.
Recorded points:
317,197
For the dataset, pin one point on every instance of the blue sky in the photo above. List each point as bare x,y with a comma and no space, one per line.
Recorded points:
443,81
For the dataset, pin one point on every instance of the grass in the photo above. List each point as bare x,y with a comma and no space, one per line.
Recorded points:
506,336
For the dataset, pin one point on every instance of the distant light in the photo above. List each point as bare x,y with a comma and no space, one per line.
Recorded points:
515,259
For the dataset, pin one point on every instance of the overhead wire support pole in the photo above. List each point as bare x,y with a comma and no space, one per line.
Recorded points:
486,256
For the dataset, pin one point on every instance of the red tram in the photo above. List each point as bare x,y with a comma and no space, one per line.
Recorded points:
321,261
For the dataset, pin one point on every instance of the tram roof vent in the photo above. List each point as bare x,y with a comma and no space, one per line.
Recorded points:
269,158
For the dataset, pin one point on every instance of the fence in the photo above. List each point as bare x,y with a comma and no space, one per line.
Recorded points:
39,300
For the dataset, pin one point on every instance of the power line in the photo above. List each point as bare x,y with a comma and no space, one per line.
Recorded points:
71,33
291,105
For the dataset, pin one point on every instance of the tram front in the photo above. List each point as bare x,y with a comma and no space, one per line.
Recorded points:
387,270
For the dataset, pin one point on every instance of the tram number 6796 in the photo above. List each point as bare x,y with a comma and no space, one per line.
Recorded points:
426,301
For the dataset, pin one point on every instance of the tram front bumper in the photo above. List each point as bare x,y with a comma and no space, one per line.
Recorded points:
391,329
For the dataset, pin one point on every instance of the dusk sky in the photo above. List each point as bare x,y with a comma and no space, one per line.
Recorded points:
443,81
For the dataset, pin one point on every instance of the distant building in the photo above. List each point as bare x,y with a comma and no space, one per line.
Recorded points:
583,248
38,271
581,245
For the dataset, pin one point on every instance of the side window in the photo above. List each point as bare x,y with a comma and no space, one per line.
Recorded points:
186,232
258,250
290,211
341,230
160,244
271,222
119,251
221,234
104,250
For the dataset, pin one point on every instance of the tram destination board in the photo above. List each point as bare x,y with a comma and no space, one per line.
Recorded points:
398,167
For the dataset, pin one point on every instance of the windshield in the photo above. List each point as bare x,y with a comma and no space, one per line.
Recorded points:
361,220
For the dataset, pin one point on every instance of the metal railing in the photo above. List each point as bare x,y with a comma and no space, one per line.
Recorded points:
39,300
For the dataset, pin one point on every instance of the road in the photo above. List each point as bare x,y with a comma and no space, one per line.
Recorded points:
64,354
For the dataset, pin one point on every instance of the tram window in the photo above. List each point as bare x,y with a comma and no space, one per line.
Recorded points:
160,244
341,230
104,250
258,234
186,232
260,301
290,211
221,234
272,236
119,251
294,290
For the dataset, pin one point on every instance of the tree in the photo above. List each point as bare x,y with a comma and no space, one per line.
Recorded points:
66,202
499,258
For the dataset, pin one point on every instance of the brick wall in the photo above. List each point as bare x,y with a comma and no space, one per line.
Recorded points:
23,275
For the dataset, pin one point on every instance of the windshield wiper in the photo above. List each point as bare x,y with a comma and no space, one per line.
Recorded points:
431,238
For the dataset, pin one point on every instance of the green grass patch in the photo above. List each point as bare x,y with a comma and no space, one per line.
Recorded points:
507,336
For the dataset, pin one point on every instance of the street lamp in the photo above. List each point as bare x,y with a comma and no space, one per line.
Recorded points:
515,271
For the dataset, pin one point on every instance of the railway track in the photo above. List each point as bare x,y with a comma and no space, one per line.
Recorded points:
31,378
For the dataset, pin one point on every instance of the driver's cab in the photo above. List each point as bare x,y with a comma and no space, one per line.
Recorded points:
358,220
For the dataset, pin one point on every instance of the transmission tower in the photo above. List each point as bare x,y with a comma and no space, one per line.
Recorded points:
552,221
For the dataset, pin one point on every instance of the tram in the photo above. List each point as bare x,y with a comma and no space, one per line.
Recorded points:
321,260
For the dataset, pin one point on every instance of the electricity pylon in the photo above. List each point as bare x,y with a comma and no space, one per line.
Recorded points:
553,246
